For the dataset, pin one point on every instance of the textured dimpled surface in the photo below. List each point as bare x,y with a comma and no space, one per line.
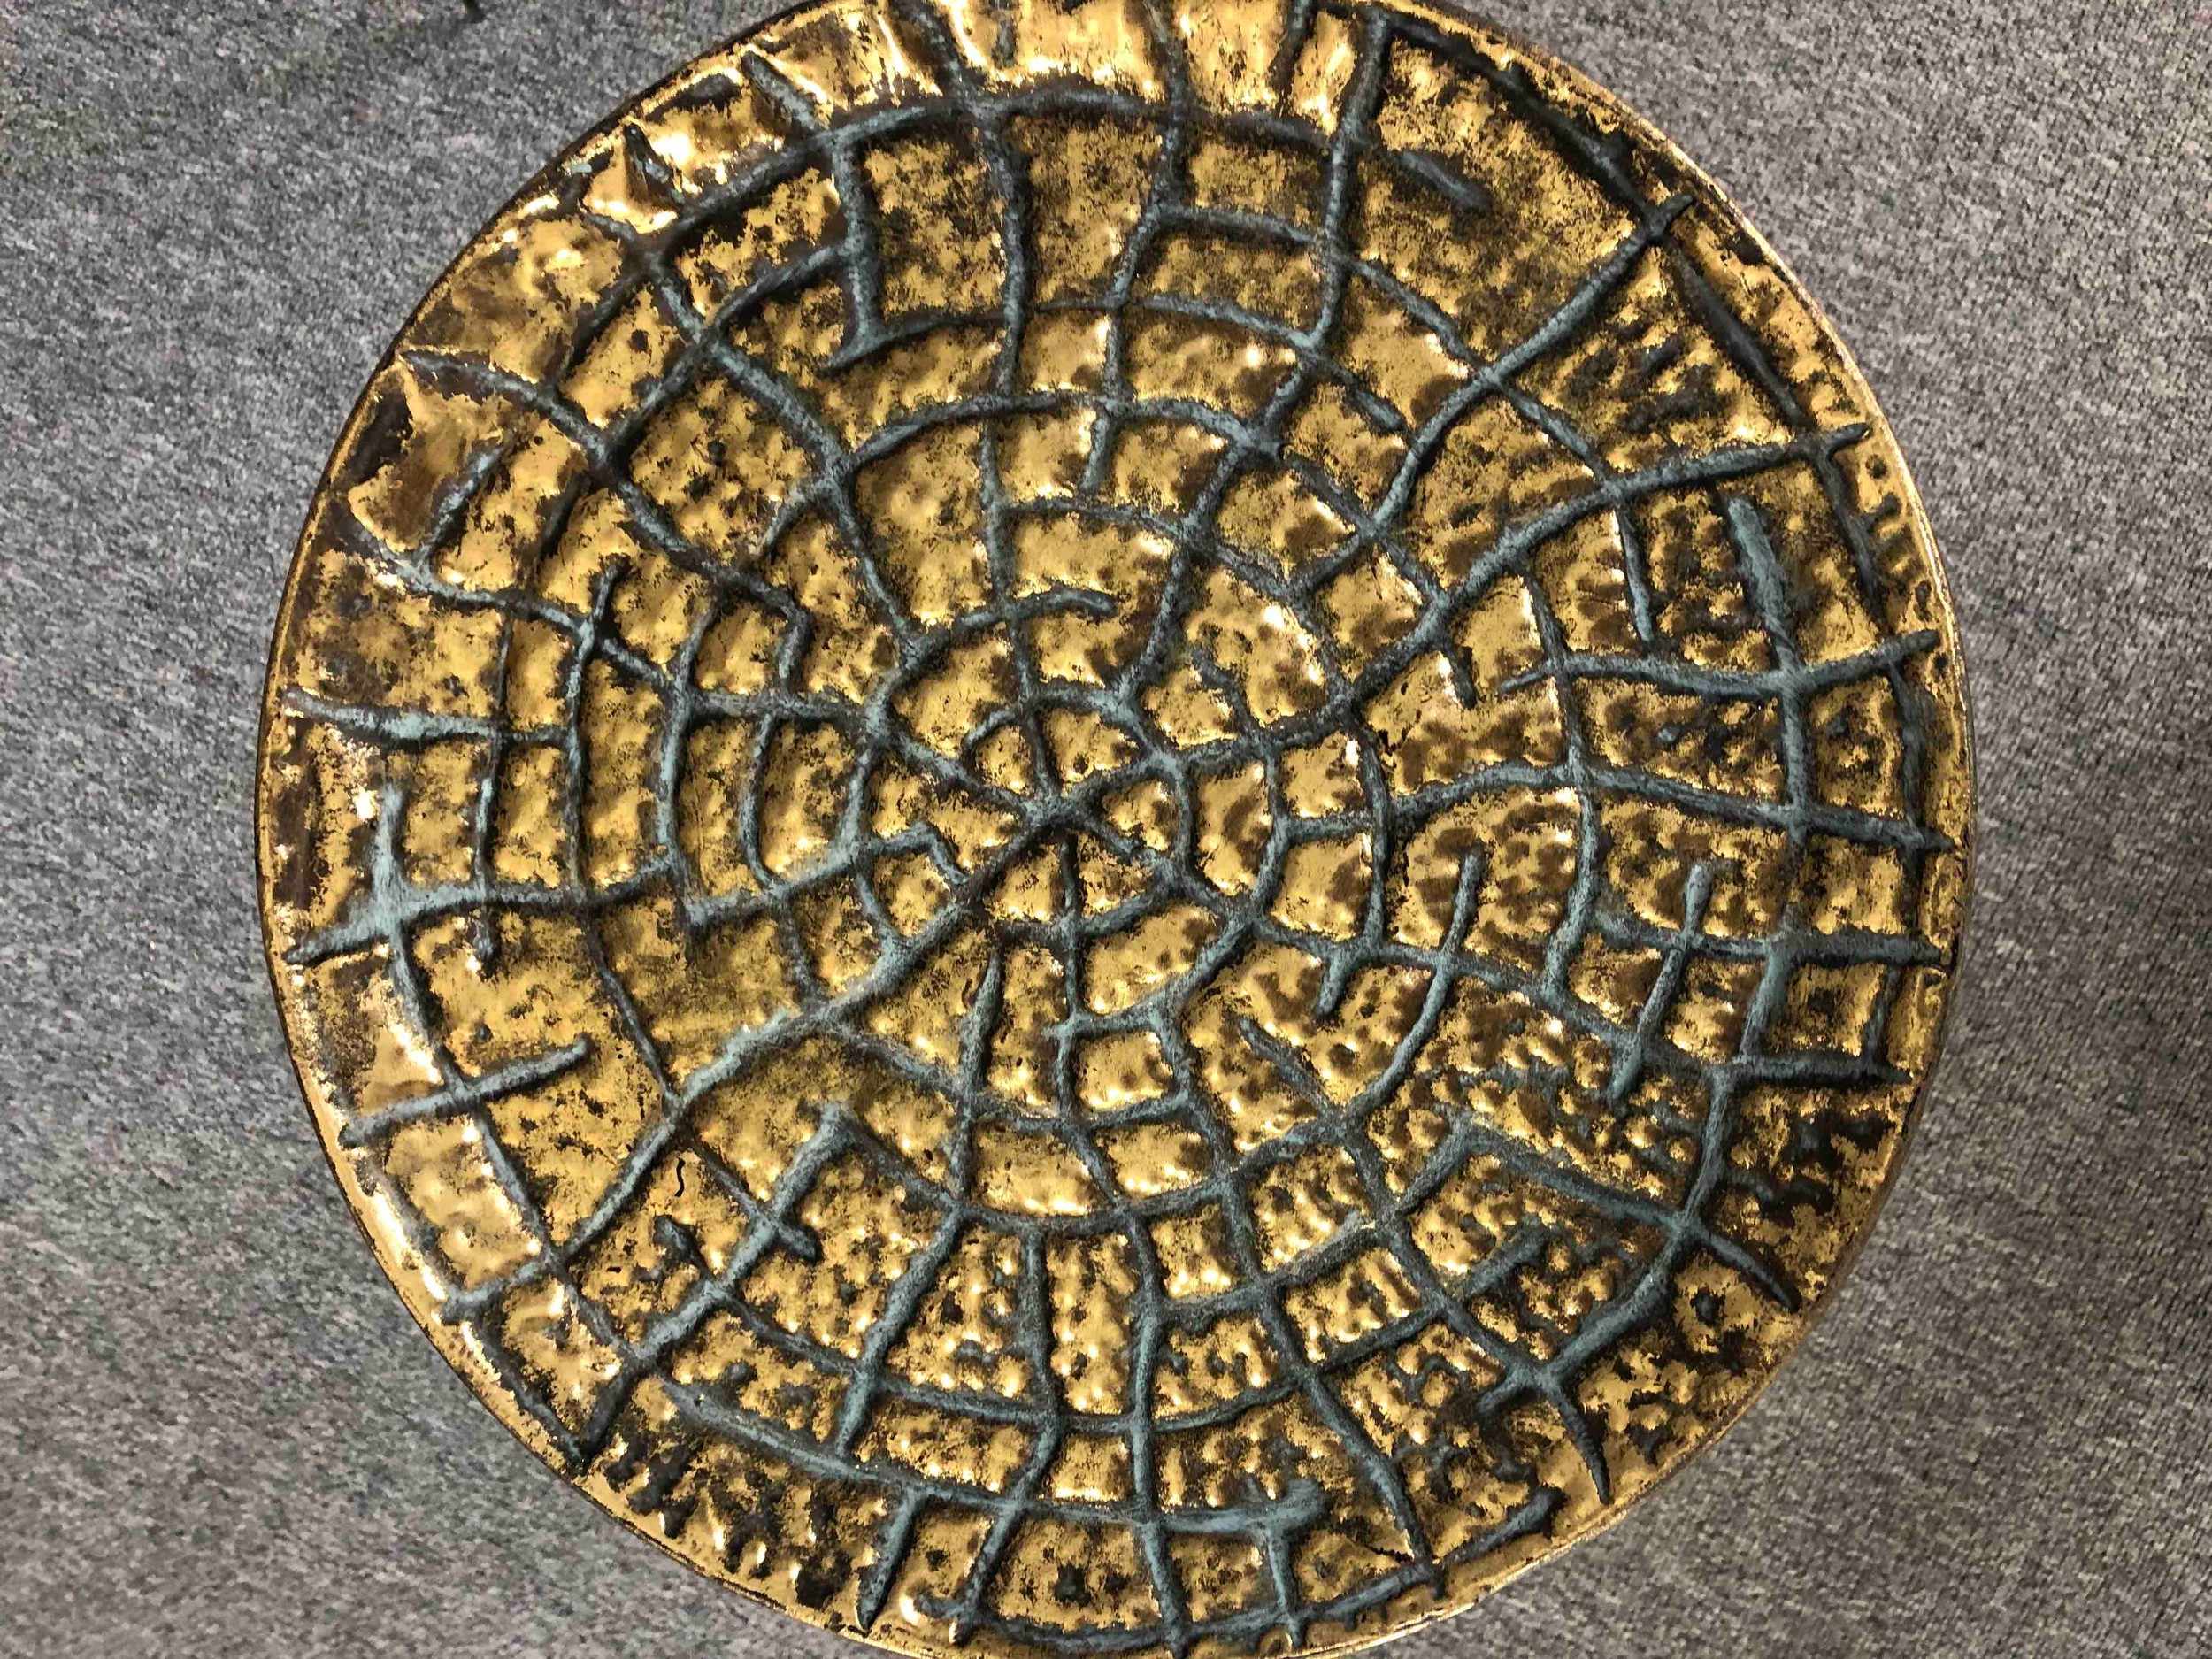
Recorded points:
1115,827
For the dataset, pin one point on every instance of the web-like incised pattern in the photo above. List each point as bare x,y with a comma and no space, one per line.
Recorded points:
1104,827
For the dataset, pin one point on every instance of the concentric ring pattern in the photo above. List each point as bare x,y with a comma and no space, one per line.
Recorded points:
1115,826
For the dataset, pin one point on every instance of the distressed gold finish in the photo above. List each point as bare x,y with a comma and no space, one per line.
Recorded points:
1102,828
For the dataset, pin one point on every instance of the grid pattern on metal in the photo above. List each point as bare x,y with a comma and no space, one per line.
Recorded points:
1059,812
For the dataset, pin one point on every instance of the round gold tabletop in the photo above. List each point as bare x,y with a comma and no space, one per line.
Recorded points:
1117,827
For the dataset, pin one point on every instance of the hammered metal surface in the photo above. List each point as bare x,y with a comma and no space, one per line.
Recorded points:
1108,827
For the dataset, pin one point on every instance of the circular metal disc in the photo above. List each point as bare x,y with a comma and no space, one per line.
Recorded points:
1117,827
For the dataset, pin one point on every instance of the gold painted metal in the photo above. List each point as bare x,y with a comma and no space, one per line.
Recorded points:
1103,829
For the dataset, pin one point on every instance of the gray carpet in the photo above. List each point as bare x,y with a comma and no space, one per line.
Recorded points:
225,1435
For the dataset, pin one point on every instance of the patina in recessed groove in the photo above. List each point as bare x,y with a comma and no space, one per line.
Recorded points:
1115,827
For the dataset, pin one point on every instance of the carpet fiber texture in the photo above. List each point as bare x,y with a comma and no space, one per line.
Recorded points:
226,1437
